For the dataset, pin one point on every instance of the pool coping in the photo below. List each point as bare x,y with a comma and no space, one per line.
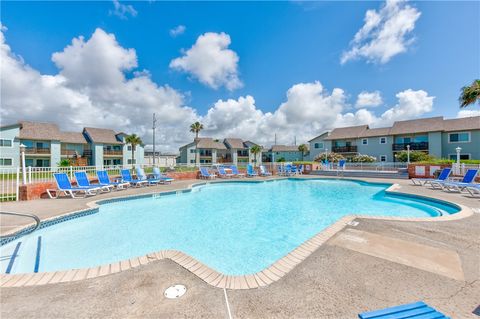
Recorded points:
263,278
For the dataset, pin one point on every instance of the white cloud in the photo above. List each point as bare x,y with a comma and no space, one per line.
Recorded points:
102,96
123,11
81,95
178,30
368,99
211,62
468,113
309,109
385,33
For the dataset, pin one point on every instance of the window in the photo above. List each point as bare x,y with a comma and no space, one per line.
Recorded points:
463,137
130,161
192,161
462,156
383,158
364,141
318,145
6,162
192,150
383,140
5,143
129,147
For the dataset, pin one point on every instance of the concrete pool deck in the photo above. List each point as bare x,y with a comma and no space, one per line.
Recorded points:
333,278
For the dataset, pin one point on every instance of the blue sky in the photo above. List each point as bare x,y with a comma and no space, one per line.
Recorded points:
278,45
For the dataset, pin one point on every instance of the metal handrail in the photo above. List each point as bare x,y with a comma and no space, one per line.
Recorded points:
35,217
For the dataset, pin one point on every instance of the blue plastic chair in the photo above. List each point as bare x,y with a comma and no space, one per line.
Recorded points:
64,186
82,181
162,178
416,310
104,180
441,178
127,177
204,173
235,171
250,171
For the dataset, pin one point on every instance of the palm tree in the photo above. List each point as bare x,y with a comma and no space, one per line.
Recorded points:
255,149
470,94
302,148
196,128
133,140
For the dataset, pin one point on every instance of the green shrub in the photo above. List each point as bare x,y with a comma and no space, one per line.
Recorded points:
332,157
360,158
415,156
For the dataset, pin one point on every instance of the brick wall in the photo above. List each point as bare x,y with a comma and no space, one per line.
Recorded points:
413,170
35,191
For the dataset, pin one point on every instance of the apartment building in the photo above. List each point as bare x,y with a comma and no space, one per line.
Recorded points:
46,145
285,153
212,151
436,136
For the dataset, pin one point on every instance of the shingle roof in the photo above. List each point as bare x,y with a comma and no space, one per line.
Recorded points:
383,131
210,143
466,123
101,135
39,131
234,142
431,124
346,132
284,148
327,132
72,137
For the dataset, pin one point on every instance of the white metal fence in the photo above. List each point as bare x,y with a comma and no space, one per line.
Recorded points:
12,178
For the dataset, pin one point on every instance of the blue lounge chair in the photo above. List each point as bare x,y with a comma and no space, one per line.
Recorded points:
441,178
143,177
127,177
300,169
264,172
341,164
222,173
467,180
235,171
473,189
414,310
250,171
82,181
104,180
161,177
280,170
64,186
204,173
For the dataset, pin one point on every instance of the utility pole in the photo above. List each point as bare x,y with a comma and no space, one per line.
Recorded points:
154,126
295,140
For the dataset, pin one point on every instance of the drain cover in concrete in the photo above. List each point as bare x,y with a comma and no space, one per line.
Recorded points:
176,291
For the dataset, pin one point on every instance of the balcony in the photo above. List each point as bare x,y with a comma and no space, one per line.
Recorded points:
68,152
345,149
87,153
112,152
37,150
421,146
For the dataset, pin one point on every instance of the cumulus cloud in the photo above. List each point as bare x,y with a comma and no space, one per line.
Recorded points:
91,89
308,110
178,30
211,62
122,10
368,99
468,113
81,95
386,33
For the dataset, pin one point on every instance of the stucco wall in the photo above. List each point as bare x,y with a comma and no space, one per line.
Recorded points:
14,151
472,147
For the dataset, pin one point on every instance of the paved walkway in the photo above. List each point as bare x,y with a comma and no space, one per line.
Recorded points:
336,281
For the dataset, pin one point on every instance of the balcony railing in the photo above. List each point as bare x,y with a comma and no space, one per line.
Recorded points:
87,153
421,146
345,149
37,150
68,152
112,152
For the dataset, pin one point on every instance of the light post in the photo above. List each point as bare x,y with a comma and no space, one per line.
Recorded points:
458,150
24,170
408,154
326,159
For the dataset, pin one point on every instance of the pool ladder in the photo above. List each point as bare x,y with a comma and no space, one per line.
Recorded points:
34,217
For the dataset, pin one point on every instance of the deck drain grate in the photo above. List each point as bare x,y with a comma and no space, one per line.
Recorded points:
174,292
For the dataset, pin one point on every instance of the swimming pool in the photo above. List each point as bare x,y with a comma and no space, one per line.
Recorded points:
235,228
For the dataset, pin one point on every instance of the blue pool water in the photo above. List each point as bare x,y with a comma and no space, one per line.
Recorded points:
235,228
